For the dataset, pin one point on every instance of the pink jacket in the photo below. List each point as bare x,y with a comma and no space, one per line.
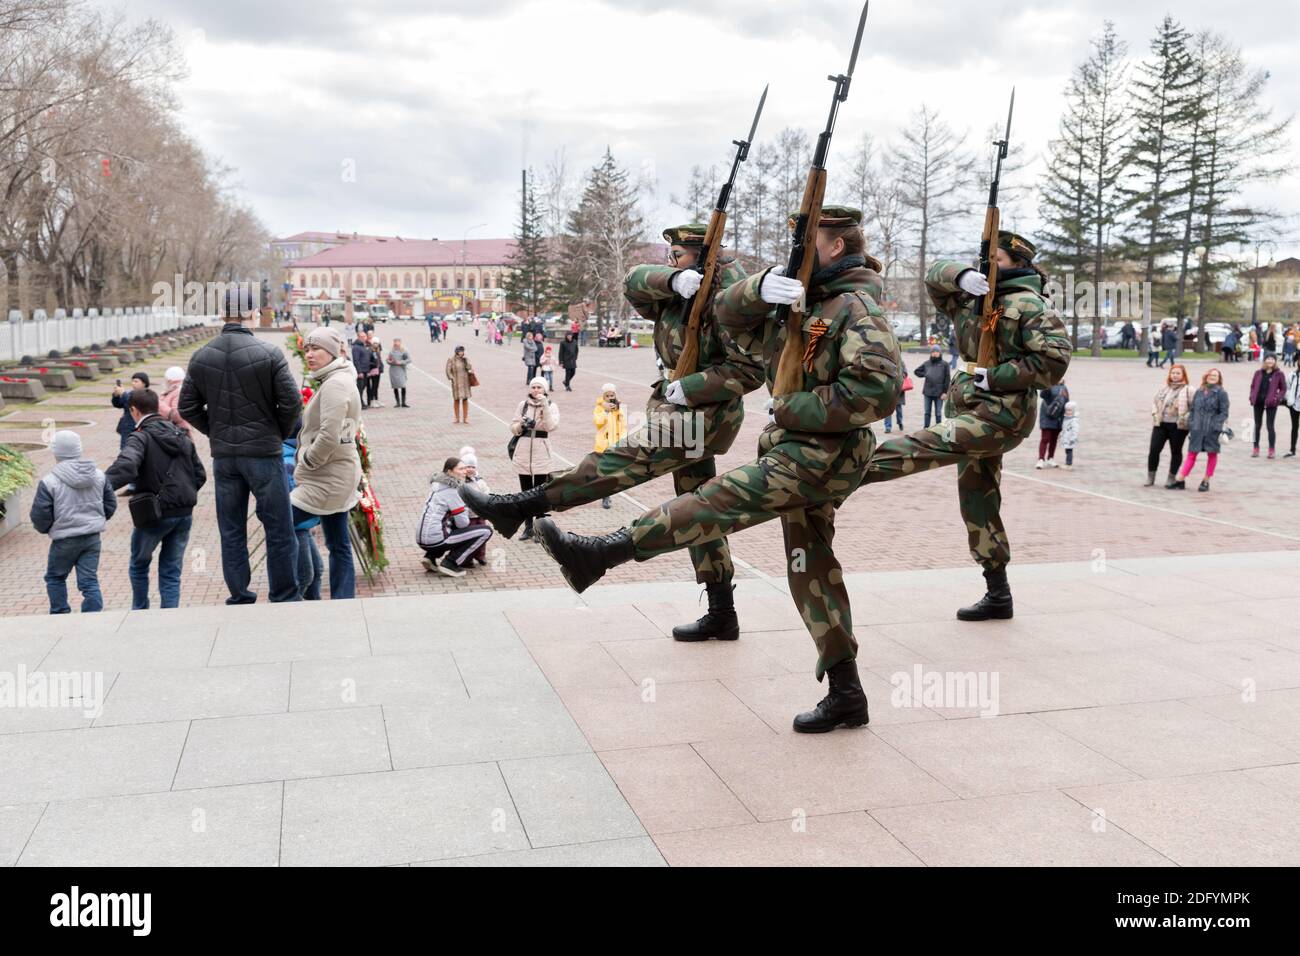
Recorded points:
167,401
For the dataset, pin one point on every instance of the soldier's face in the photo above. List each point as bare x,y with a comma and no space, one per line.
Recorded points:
682,257
828,249
1004,258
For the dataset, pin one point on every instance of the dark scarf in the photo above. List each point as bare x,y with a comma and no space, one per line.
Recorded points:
1006,275
824,275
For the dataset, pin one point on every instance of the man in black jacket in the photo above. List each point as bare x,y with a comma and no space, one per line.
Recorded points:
240,393
158,459
938,376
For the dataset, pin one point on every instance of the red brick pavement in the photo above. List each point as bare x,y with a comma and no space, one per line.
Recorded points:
1099,508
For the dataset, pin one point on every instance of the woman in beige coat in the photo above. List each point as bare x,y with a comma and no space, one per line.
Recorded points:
536,417
328,468
458,372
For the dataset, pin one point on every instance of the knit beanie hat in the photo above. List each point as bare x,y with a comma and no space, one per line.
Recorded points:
174,374
142,376
327,339
66,444
538,381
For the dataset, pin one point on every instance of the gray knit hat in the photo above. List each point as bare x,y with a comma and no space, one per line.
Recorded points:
66,445
326,339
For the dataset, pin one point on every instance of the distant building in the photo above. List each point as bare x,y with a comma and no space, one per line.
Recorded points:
406,274
1279,292
303,244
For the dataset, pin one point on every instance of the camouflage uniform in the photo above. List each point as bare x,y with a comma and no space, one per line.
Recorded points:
1033,353
715,394
812,456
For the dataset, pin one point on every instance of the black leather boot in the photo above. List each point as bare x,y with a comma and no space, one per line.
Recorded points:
845,705
995,605
506,512
719,623
584,559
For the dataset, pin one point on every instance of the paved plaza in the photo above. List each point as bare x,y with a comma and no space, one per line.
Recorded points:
1098,510
1141,709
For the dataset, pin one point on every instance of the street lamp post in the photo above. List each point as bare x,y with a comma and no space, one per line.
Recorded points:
1254,294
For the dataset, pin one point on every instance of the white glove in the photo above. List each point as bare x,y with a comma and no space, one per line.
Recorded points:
976,283
675,393
982,376
778,289
769,406
687,282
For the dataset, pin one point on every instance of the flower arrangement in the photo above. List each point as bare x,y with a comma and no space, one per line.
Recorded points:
16,473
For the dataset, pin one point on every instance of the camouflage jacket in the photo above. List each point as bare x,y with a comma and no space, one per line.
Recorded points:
857,371
723,373
1033,348
856,376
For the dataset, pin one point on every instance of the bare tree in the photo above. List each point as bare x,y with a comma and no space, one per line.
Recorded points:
934,171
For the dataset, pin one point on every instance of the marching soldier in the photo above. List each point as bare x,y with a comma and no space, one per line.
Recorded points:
989,410
811,455
713,400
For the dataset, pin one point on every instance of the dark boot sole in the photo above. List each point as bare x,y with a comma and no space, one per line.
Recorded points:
691,638
827,728
999,615
568,578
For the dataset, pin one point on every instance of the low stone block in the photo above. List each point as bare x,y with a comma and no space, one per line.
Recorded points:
49,376
12,386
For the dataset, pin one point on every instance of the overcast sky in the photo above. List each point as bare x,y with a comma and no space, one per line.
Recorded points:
439,104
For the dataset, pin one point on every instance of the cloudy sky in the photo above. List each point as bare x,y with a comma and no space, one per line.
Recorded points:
438,104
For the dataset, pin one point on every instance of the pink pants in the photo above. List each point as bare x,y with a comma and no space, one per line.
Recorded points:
1212,459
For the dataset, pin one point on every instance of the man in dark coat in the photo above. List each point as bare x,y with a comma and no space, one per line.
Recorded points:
363,359
240,393
937,376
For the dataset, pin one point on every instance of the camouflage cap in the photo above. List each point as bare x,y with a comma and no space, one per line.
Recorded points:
833,217
691,233
1016,245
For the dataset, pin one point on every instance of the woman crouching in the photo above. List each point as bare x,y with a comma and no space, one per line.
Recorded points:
445,531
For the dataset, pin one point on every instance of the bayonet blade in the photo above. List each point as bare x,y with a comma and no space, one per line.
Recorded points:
757,113
1010,110
857,41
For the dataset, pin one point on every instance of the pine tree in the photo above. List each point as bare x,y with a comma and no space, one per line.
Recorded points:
1082,198
529,281
1241,144
1164,114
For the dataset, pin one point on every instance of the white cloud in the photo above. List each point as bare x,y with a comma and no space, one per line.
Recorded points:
439,103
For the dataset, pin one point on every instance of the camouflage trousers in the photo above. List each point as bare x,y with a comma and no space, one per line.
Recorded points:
975,446
645,455
776,485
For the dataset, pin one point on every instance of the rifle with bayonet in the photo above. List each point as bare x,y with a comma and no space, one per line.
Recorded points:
985,305
803,247
707,264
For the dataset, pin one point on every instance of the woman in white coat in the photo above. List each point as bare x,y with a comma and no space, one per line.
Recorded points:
530,449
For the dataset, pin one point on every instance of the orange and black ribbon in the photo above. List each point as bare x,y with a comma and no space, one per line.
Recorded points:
815,333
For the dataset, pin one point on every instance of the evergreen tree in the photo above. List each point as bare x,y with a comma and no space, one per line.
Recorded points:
1241,144
528,281
1082,198
1164,114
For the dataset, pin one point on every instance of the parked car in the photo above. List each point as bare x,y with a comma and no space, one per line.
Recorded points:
906,329
380,313
1216,332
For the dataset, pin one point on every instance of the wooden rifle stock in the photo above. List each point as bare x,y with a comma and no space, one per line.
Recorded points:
987,306
689,360
803,256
